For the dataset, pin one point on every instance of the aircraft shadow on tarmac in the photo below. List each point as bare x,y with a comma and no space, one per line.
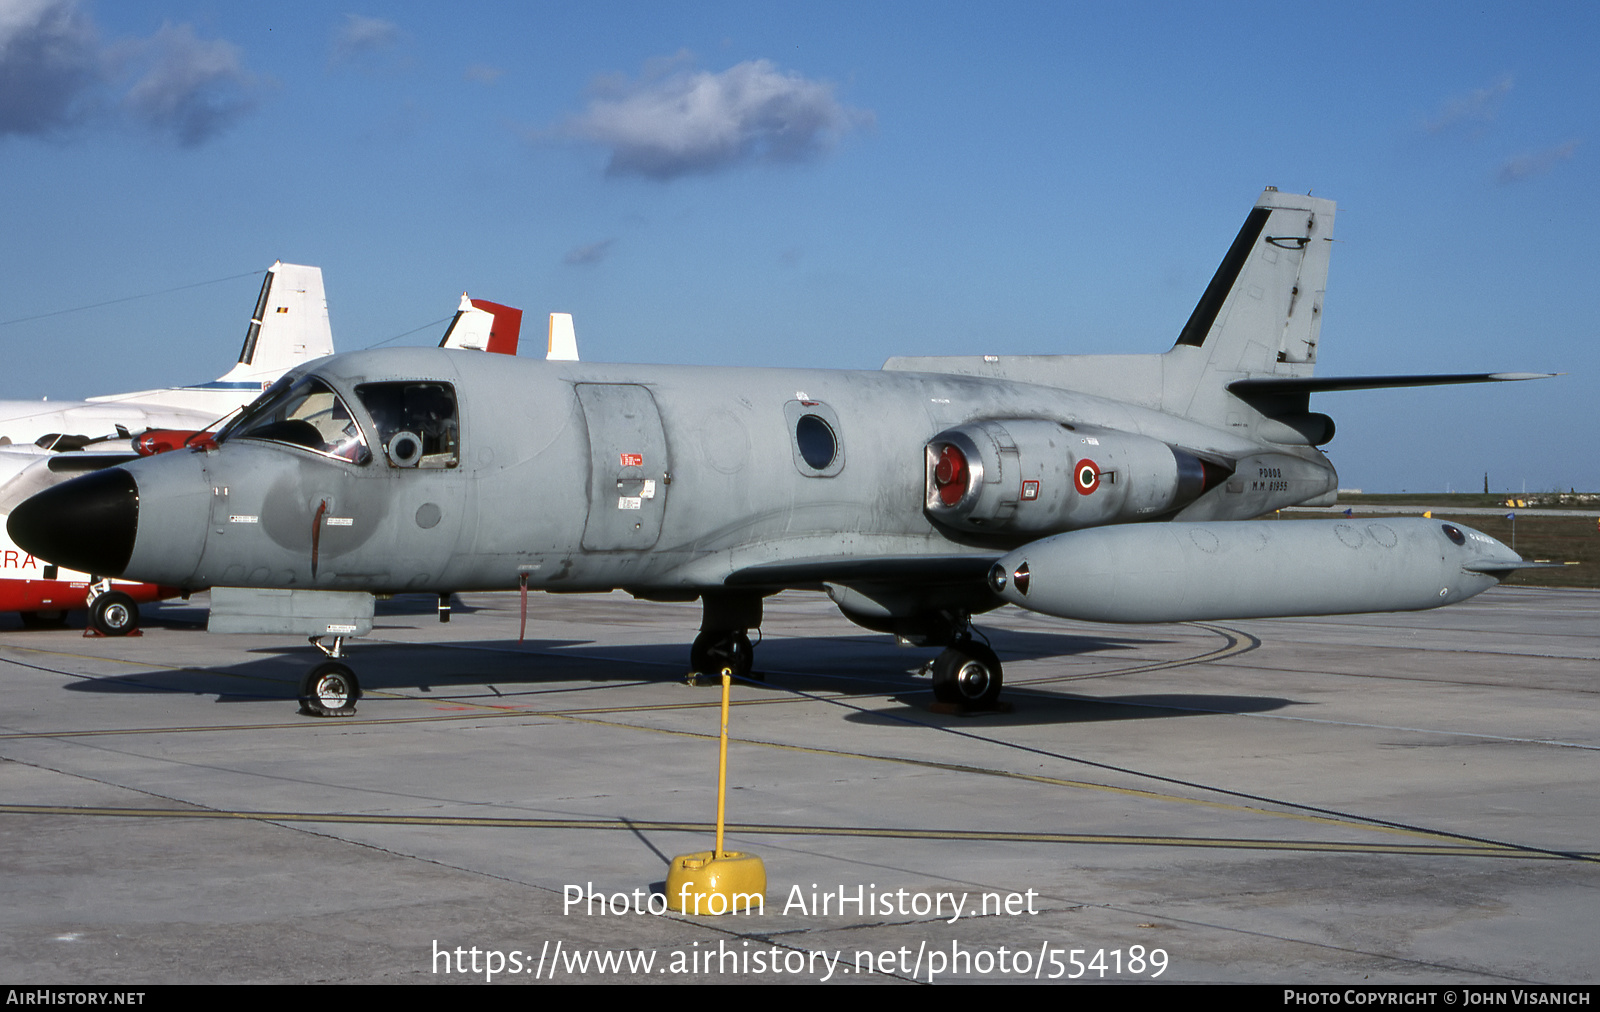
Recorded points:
1036,709
501,672
503,669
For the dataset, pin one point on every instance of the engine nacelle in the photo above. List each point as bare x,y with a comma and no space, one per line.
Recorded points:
1035,476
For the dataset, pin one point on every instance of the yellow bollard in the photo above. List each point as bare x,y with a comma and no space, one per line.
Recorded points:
717,881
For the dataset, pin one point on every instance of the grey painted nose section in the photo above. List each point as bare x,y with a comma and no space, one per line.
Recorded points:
87,524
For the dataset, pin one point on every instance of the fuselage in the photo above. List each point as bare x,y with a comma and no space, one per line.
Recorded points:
589,476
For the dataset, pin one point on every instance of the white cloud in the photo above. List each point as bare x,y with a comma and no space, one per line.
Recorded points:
677,122
363,40
57,74
49,66
1536,163
191,88
1474,109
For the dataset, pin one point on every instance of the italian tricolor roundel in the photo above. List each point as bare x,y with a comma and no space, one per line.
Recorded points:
1087,476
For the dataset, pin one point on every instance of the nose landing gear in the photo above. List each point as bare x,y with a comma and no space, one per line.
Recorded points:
111,612
114,614
330,689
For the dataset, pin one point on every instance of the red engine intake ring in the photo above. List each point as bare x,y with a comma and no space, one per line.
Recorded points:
951,475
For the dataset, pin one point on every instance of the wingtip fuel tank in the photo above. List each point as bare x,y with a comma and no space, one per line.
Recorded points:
1180,572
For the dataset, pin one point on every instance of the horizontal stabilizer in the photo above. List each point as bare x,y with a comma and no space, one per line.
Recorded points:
1273,385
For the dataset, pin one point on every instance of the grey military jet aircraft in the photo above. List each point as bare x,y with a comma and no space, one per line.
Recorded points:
1105,487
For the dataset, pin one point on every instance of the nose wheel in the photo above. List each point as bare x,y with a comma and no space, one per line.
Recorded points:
113,613
330,689
967,674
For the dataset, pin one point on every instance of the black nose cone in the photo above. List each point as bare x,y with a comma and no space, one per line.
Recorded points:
86,524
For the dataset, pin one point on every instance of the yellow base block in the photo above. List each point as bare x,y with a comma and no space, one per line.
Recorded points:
701,884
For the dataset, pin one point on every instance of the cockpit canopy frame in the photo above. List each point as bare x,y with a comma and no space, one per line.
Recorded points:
412,423
304,412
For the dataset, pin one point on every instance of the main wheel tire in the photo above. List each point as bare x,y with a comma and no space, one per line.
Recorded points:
967,674
114,614
329,690
713,651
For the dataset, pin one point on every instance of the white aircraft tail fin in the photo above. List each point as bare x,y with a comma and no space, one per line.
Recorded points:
1262,312
1244,361
563,346
1261,315
480,325
289,326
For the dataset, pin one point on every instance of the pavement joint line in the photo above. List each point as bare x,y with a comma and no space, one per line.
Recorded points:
1354,823
588,717
774,829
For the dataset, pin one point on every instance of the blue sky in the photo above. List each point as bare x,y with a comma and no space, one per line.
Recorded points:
859,181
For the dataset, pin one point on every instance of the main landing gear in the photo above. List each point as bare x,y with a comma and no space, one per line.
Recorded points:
714,650
329,689
967,675
724,640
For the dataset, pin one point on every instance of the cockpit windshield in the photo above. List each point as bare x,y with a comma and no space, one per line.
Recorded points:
307,413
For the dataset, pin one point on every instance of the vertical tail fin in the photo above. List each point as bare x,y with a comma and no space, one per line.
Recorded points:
1262,313
563,345
289,325
481,325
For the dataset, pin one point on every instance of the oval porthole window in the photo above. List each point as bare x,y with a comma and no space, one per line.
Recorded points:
816,441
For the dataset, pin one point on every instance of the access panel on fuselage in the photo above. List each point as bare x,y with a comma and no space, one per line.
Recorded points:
628,468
